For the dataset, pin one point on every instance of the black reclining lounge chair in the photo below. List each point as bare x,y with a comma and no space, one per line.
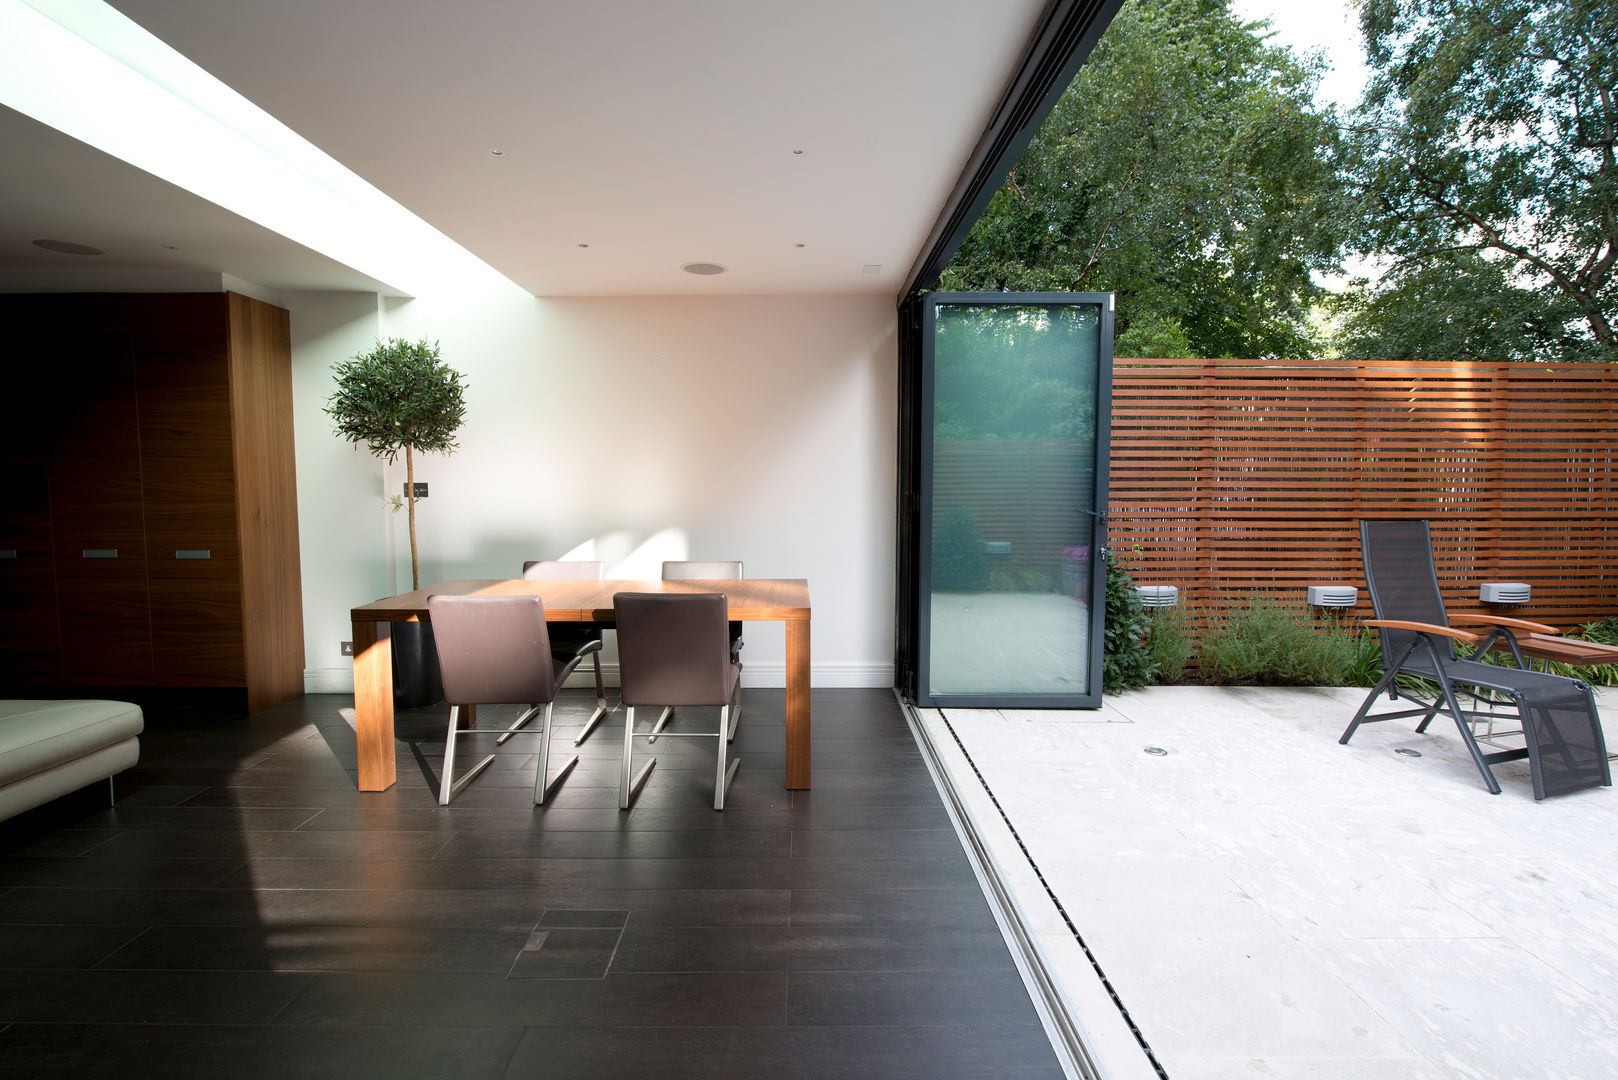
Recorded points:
1559,725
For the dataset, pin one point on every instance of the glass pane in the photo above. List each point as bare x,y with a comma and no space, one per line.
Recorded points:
1014,451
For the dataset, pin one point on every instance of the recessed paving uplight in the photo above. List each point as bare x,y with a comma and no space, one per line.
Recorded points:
67,247
1157,751
703,269
1406,751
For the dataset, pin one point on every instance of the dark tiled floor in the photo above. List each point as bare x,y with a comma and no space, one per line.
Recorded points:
245,912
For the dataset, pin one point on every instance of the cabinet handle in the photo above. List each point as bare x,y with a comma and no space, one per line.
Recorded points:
193,553
100,553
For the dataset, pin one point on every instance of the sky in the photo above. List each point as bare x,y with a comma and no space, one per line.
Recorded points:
1331,26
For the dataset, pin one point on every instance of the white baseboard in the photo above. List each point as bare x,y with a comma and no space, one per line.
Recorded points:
329,680
340,680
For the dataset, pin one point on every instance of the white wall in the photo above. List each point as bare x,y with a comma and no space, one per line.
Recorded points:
627,429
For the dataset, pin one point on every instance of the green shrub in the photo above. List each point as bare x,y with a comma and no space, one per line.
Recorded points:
1604,631
1366,667
1269,643
959,564
1126,661
1170,638
1036,581
1000,580
1021,581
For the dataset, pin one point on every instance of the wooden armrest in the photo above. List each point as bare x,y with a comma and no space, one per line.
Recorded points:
1568,650
1510,624
1423,628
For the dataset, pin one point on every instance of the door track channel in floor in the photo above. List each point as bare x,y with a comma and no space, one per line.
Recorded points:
1067,1034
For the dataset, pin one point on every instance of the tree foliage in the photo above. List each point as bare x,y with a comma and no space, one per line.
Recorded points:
1458,306
1483,161
399,395
1010,373
1185,169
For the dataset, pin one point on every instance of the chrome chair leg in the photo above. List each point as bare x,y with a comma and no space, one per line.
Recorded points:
662,722
629,787
725,772
544,783
448,785
601,709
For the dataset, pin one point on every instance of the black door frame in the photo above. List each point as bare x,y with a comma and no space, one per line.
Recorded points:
913,625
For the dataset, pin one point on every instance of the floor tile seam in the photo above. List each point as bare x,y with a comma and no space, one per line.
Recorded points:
144,930
1389,1018
951,971
99,844
487,970
181,1025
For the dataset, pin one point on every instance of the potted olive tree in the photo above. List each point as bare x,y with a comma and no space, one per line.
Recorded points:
402,396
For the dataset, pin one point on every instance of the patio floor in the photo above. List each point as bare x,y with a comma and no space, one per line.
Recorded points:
1267,903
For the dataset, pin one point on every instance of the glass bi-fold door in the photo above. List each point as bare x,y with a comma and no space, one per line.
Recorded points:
1011,444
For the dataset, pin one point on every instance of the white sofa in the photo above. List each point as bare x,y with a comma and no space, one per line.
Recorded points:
49,748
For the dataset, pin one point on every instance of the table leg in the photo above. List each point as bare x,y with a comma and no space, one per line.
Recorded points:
373,707
798,704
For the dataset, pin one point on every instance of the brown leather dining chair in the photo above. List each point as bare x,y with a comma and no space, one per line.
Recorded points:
495,650
704,570
674,649
570,640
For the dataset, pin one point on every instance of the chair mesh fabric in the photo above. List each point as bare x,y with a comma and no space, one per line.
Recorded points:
493,650
1403,583
1566,748
1569,752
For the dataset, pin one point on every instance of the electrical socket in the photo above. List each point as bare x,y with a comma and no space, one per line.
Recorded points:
348,648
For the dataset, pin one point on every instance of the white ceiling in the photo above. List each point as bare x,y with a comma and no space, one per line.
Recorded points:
53,187
657,132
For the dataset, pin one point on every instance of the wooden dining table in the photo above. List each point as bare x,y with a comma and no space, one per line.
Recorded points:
784,600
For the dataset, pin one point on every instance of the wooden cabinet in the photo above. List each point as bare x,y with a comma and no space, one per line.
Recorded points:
168,534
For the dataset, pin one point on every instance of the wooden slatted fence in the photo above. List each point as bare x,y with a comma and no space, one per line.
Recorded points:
1232,476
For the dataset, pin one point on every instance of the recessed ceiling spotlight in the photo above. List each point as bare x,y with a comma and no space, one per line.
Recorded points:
703,269
498,153
67,247
797,153
170,247
871,268
797,245
584,245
